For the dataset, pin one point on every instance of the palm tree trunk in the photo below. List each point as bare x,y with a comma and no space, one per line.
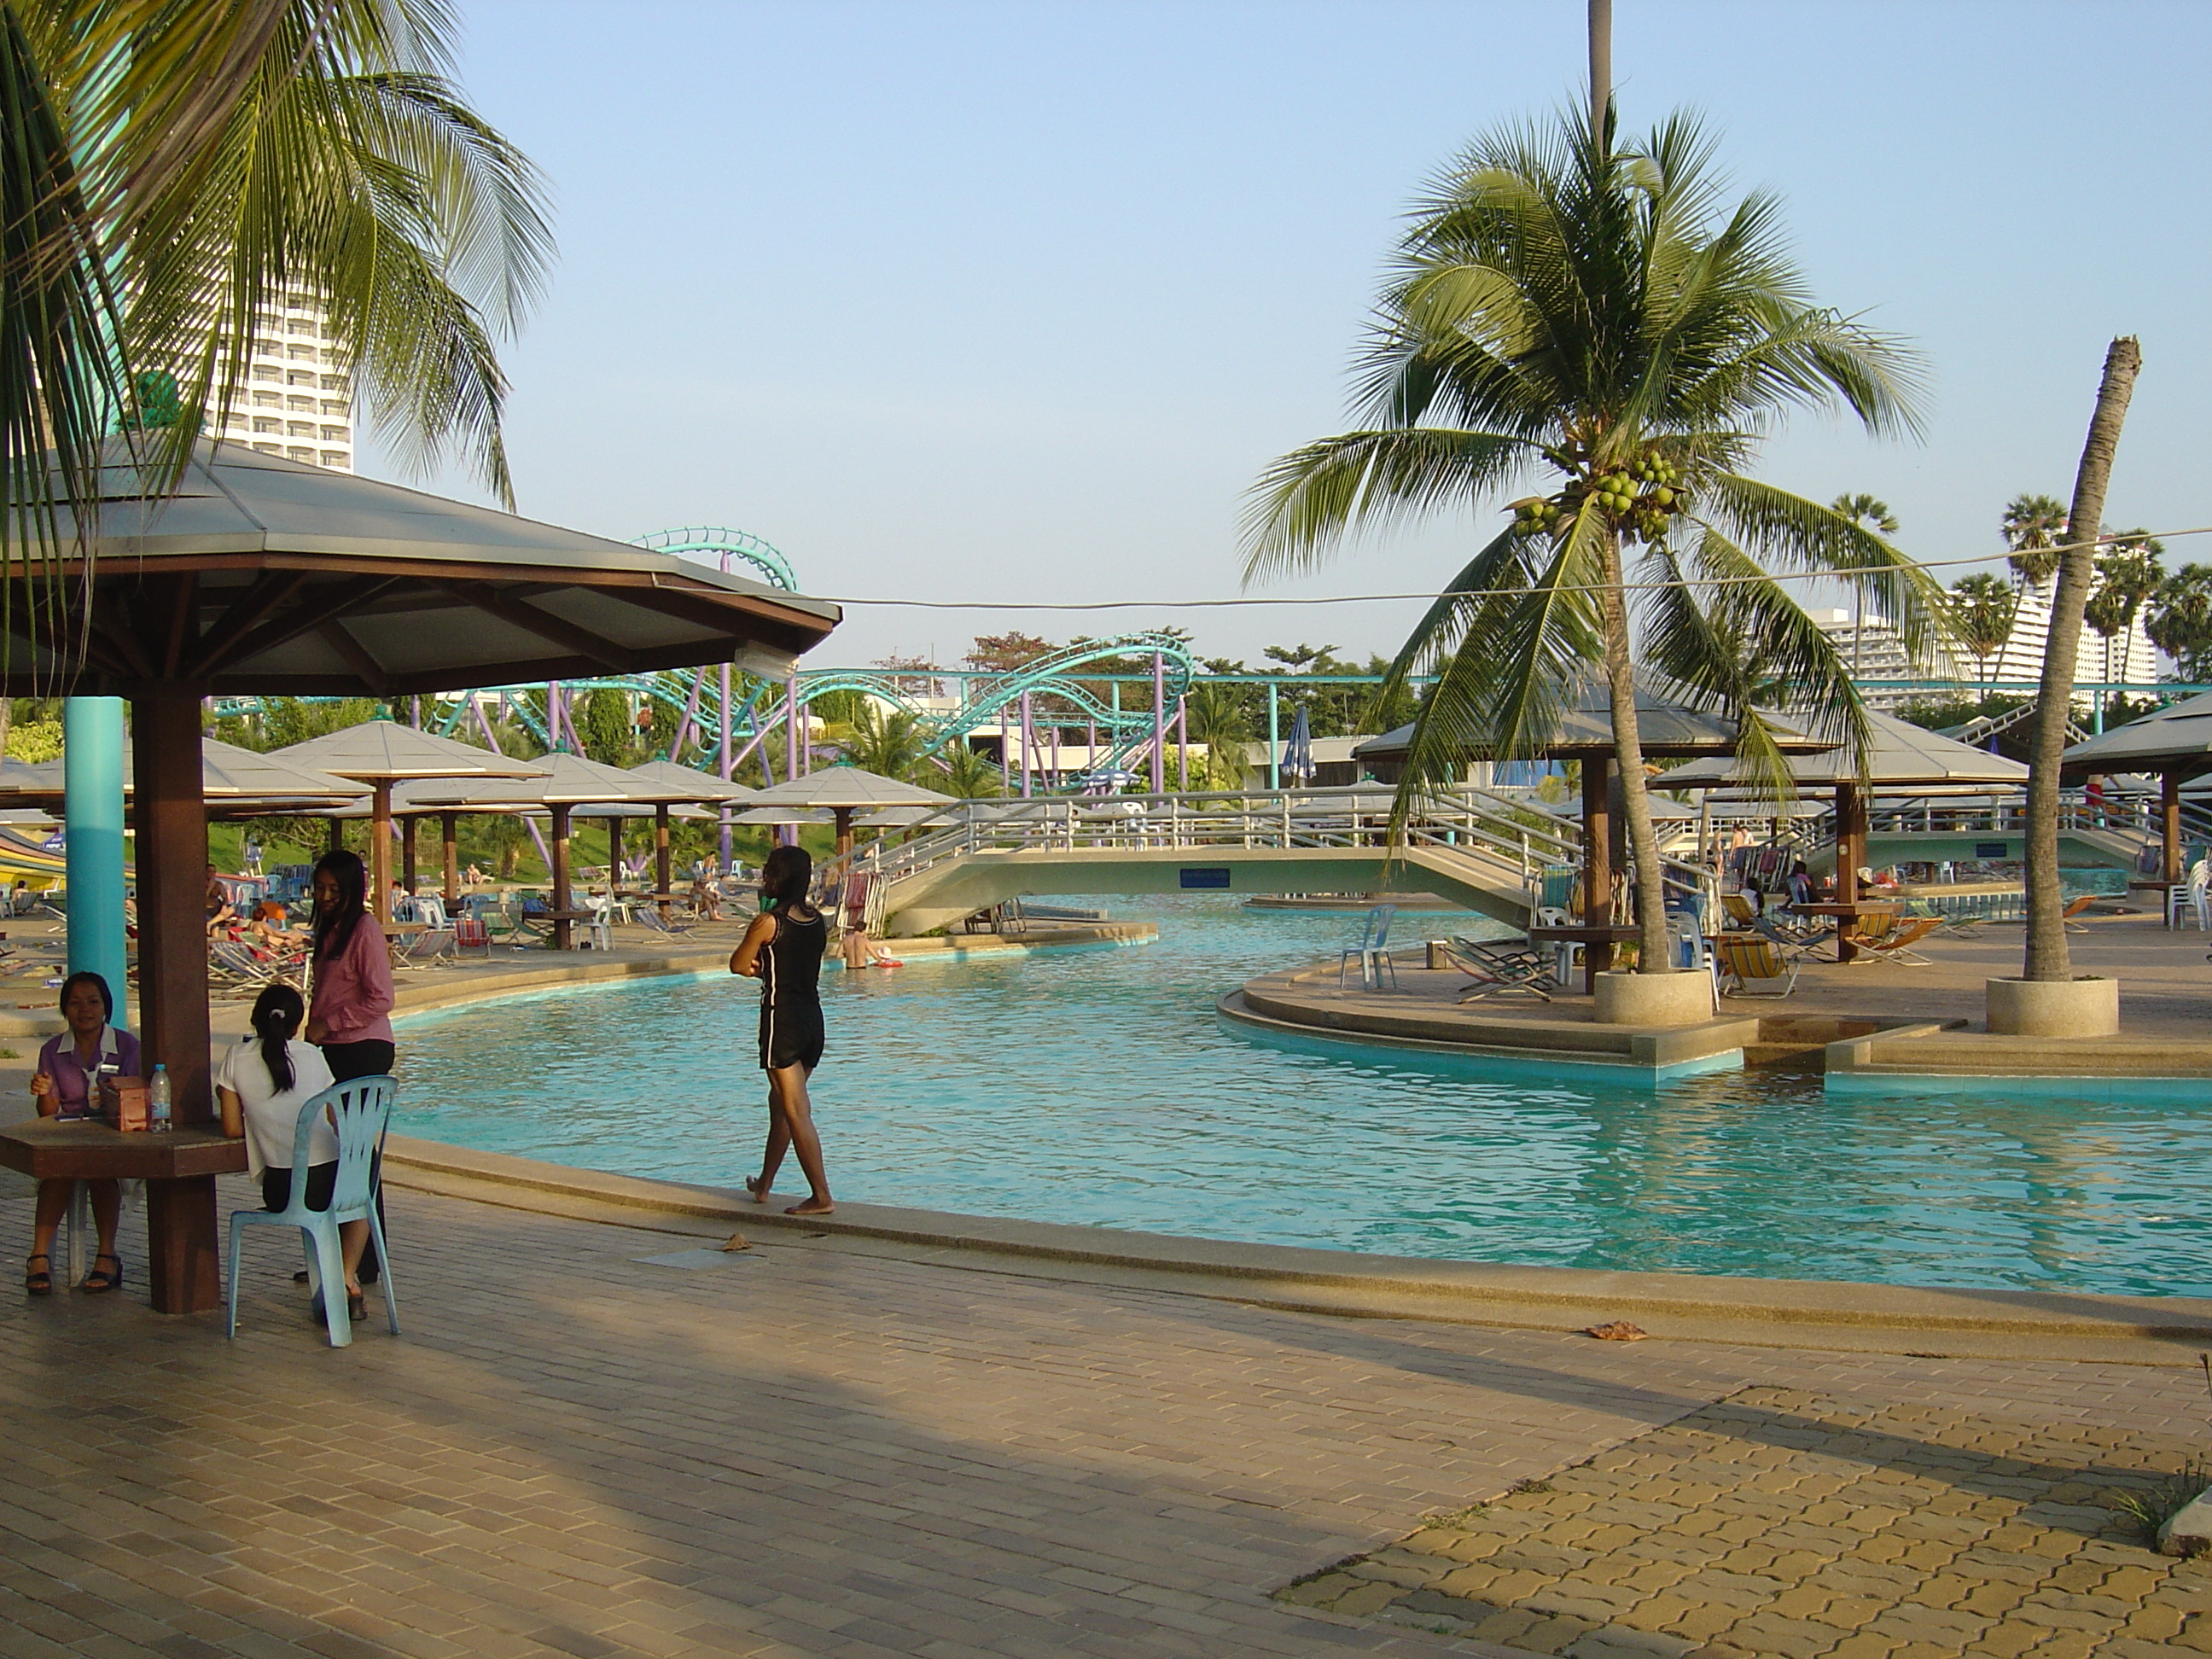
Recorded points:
2047,955
1628,753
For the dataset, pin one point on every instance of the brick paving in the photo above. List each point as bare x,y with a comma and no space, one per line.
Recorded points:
1779,1522
805,1450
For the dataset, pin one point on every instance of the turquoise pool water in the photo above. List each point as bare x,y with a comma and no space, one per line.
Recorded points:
1098,1086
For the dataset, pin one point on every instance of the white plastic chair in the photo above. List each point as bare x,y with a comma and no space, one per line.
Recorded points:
2190,901
1566,955
1692,952
360,1109
1372,951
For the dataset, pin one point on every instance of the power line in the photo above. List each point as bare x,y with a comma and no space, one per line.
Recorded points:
1243,600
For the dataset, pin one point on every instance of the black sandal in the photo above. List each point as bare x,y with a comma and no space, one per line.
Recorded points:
39,1281
99,1281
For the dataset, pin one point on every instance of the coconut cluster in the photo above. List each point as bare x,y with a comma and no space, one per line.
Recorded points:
1638,498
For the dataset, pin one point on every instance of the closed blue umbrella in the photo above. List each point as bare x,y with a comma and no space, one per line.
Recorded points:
1297,752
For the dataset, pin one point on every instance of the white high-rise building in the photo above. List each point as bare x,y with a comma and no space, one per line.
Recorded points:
1872,651
297,401
2128,656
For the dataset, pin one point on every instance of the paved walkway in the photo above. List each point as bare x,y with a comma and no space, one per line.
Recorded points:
800,1450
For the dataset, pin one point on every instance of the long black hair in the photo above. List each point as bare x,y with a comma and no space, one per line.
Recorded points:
787,874
334,926
86,977
278,1012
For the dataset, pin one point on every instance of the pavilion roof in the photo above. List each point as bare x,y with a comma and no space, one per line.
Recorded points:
2175,739
230,777
849,787
669,776
1667,716
386,752
1901,754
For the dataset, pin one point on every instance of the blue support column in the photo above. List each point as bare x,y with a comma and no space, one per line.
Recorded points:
92,751
1274,740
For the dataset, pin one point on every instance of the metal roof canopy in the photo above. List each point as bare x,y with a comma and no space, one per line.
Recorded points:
263,575
2177,739
1901,754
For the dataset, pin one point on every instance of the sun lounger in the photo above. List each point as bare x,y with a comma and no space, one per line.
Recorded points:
1895,942
1754,959
1499,965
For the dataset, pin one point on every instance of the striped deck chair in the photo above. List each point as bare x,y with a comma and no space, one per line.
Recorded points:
1749,959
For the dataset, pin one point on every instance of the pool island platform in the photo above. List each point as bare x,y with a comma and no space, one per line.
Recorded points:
1867,1025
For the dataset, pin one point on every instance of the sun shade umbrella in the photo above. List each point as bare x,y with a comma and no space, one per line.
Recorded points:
2175,743
256,575
1297,752
703,787
845,790
231,778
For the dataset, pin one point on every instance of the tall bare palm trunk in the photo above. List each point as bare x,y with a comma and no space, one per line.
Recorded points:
1628,754
2047,955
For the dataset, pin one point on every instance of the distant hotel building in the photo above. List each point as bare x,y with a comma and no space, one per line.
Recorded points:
297,401
1871,651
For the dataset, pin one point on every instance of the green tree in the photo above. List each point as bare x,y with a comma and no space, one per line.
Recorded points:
1219,719
967,773
607,727
2178,619
1983,608
2033,527
886,741
1868,511
1567,309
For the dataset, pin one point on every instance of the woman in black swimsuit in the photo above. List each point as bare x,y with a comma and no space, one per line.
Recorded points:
783,948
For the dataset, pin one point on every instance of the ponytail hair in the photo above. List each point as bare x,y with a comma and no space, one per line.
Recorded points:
278,1012
786,875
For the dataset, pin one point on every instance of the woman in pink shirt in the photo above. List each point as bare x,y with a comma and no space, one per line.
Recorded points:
350,1017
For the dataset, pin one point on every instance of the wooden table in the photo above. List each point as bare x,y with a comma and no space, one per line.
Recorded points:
184,1260
1597,940
1847,915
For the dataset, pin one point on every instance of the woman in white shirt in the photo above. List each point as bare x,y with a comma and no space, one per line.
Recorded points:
262,1082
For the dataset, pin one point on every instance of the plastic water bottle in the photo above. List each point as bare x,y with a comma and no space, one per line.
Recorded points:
157,1100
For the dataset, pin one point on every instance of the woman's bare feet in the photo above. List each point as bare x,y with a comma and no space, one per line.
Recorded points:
757,1188
812,1207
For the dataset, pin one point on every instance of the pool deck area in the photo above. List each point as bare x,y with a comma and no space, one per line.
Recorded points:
1866,1023
608,1436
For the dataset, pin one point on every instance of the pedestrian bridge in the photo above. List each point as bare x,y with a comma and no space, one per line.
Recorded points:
1472,848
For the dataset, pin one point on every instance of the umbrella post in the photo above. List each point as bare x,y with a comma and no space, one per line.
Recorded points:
559,862
661,873
171,817
844,817
450,824
407,854
379,850
2169,817
338,834
614,854
1597,865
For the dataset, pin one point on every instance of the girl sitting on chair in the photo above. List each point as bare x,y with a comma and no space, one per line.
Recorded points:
262,1082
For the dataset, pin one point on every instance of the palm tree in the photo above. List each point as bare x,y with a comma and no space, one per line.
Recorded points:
1983,608
176,166
886,741
2127,575
1589,315
2034,527
1868,513
2178,620
967,773
1217,720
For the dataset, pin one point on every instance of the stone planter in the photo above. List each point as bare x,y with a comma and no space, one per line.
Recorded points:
1677,999
2084,1007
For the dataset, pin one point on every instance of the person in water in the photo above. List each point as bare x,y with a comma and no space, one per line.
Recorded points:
783,948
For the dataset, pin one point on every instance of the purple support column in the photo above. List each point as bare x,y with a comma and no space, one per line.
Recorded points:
791,718
1055,756
1159,724
1182,744
1028,744
725,733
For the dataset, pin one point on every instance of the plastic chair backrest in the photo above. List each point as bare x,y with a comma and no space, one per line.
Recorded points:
1558,886
431,909
1379,918
360,1107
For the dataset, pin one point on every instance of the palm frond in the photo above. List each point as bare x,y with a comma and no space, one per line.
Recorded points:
1310,498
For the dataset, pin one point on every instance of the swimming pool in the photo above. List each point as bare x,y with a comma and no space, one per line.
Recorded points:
1098,1086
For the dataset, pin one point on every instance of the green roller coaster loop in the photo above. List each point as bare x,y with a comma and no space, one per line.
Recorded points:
725,546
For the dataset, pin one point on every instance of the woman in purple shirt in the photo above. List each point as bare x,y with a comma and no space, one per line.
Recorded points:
62,1088
350,1017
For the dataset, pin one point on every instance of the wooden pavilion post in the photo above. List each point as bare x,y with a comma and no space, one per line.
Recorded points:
338,834
559,849
451,824
407,853
662,873
614,855
844,818
170,815
1851,853
2169,819
380,849
1597,864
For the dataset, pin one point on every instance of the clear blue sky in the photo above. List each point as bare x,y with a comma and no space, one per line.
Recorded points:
962,300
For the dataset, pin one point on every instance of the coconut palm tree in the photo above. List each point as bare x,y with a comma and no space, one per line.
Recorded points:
1983,608
2034,527
175,167
967,773
1217,720
1595,318
886,741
